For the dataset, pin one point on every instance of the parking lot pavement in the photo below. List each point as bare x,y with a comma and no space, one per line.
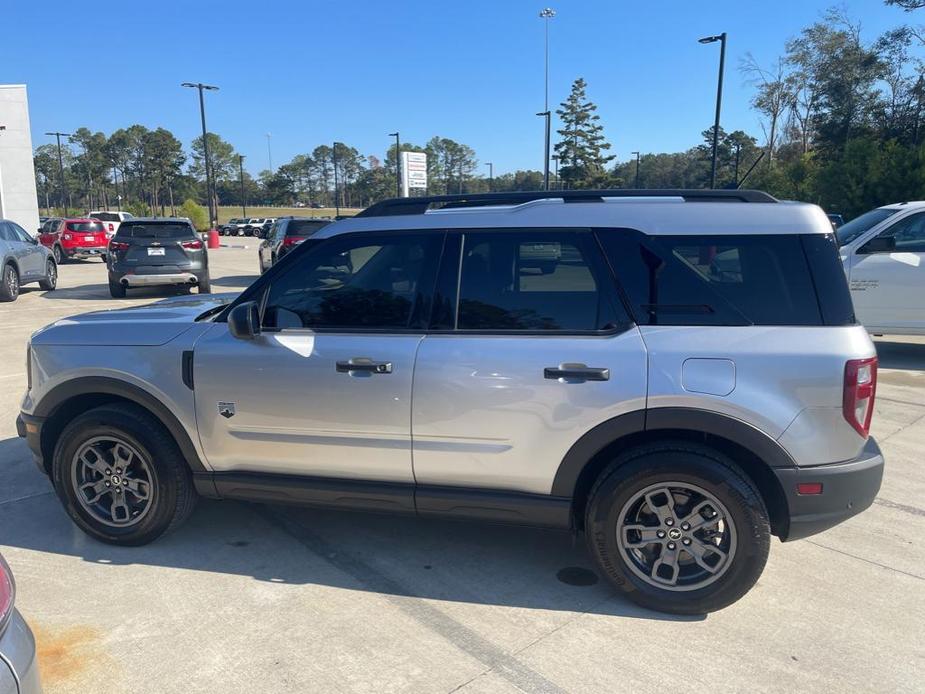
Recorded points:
248,598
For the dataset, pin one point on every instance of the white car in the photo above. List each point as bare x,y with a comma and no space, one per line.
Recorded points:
883,252
111,220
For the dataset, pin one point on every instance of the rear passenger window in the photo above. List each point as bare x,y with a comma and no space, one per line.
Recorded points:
532,281
714,280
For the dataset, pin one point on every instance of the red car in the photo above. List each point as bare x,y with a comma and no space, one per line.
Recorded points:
75,238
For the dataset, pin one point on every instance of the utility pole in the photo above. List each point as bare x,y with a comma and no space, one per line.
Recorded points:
491,175
336,199
636,184
269,153
62,184
738,149
243,199
397,164
546,14
205,145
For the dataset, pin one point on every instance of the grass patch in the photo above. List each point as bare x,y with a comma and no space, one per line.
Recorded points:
226,213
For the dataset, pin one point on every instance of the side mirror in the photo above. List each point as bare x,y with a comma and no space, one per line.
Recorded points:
244,321
879,244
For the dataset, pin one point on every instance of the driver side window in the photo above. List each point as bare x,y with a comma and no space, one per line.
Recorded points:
362,282
907,234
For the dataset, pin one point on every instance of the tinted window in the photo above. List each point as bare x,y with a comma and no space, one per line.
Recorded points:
909,234
303,227
531,281
849,231
106,216
714,280
381,282
20,233
84,226
829,278
154,231
6,234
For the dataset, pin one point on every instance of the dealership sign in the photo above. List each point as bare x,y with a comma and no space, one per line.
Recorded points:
413,171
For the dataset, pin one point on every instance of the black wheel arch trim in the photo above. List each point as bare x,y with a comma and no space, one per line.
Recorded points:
101,385
665,418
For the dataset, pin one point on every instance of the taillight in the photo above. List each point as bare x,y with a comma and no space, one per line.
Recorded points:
293,240
7,593
110,226
192,245
860,388
118,246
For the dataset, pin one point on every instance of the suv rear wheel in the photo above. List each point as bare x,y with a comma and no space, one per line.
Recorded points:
678,527
121,476
116,289
58,254
51,276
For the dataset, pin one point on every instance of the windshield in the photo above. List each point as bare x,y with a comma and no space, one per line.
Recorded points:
154,231
848,232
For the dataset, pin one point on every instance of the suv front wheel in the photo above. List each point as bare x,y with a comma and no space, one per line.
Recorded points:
121,476
678,527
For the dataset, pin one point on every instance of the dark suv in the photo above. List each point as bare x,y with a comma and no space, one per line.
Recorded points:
157,252
283,236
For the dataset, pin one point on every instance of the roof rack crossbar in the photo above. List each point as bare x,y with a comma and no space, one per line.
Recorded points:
412,206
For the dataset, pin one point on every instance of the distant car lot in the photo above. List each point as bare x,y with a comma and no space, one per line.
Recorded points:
313,600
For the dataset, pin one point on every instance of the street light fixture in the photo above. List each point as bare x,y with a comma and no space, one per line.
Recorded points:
546,115
205,145
62,185
491,175
636,185
397,164
546,14
719,98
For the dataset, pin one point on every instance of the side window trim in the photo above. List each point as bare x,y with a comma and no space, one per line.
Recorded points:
891,230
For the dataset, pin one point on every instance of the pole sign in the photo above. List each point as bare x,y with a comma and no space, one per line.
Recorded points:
413,171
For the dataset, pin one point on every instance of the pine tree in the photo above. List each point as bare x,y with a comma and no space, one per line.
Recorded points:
581,150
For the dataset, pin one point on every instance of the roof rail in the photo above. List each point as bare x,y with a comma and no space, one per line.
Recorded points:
403,206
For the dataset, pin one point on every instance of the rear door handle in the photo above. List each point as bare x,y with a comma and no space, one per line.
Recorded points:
576,372
364,364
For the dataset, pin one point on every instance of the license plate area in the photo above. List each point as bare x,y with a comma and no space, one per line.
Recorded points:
155,251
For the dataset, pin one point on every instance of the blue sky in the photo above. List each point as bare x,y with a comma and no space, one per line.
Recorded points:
312,72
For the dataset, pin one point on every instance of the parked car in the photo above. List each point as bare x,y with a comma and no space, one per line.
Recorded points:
25,261
836,219
157,252
75,239
285,235
316,206
883,252
253,225
265,229
230,228
19,667
687,382
110,220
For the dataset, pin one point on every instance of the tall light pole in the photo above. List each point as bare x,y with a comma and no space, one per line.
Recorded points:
719,98
546,115
62,185
636,184
205,145
336,199
546,14
397,164
269,152
738,149
241,171
491,175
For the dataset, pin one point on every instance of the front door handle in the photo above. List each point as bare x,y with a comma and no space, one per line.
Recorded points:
576,372
364,364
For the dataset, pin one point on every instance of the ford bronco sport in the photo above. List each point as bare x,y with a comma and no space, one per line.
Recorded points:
680,380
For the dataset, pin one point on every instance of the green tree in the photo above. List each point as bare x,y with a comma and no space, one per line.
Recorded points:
581,149
196,213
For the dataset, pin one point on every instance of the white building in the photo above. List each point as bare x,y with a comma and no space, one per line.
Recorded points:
18,200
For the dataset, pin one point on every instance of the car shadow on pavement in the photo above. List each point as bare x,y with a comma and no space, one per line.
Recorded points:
909,356
234,280
396,556
100,292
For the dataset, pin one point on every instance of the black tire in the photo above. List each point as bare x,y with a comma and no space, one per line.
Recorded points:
51,276
9,283
205,285
172,494
116,290
58,254
639,469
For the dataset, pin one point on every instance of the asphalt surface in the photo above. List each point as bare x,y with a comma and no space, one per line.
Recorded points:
248,598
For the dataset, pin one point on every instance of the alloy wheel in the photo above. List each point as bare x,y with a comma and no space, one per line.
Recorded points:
51,275
113,481
676,536
12,281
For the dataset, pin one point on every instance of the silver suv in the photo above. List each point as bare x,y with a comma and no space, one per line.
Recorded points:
682,379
